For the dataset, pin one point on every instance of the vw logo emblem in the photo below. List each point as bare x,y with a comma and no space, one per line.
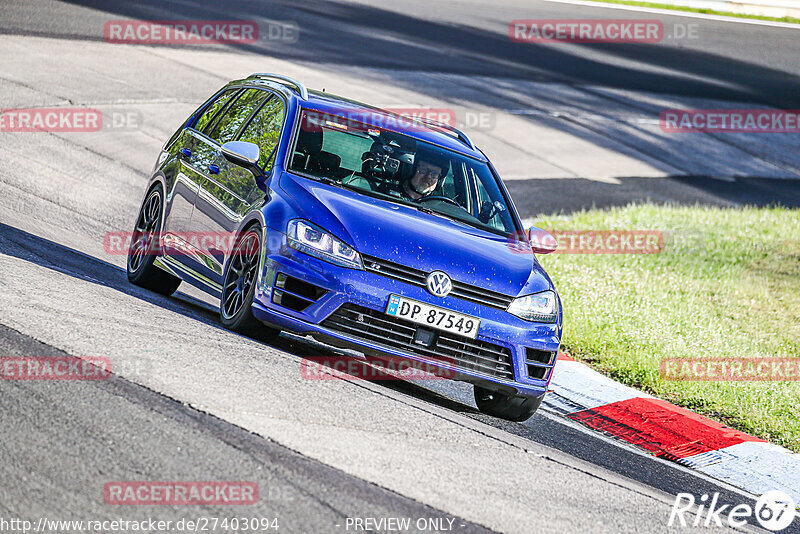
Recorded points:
439,283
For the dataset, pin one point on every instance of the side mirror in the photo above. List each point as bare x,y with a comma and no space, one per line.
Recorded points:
244,154
542,241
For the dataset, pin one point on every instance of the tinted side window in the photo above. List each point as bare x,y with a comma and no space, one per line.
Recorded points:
449,187
265,128
236,115
483,196
489,191
213,109
347,148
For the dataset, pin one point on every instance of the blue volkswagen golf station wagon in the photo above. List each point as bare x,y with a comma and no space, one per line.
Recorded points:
366,230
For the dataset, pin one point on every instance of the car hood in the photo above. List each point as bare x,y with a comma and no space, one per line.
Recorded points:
404,235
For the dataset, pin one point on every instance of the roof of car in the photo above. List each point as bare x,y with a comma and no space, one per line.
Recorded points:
366,113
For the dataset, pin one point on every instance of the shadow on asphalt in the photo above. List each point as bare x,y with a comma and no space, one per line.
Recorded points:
125,431
68,261
546,196
65,260
381,42
366,35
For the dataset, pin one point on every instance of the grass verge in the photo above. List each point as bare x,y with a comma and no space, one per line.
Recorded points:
726,285
672,7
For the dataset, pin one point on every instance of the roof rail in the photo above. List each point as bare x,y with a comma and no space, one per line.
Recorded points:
461,135
296,85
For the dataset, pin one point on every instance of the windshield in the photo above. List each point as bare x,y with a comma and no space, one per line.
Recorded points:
399,168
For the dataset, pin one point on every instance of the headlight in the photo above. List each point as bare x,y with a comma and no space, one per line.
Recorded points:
309,238
540,307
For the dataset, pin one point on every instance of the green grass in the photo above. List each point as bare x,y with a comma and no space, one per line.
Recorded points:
699,10
727,284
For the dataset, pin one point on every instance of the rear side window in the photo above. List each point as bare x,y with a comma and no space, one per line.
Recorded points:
265,129
177,134
212,110
237,114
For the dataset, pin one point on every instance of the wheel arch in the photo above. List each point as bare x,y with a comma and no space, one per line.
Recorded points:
252,219
158,179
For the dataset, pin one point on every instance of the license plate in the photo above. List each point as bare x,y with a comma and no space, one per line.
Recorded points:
433,316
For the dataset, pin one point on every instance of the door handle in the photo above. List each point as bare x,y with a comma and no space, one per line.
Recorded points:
186,152
213,169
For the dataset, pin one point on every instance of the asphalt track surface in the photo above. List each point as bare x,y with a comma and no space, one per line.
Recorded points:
745,63
191,401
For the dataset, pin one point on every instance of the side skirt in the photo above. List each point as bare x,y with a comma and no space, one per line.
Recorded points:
183,272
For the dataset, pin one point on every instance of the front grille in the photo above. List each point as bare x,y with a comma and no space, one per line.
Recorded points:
392,332
417,277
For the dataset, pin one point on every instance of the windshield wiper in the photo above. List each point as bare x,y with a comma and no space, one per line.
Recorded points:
447,216
329,181
335,183
477,224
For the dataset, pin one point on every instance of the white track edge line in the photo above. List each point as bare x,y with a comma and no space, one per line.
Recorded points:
679,13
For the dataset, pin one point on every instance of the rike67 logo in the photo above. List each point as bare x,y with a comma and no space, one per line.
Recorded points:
774,510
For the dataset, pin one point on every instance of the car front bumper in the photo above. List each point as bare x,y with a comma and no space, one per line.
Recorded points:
370,292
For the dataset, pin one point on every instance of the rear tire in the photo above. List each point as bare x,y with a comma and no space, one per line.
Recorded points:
511,407
144,246
239,287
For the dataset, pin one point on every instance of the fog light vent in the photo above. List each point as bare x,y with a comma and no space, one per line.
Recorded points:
539,363
295,294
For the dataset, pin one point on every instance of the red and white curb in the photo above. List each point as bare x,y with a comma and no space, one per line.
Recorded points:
670,432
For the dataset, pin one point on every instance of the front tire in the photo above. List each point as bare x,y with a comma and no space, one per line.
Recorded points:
239,287
144,245
511,407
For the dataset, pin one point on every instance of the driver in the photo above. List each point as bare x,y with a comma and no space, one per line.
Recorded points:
429,169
